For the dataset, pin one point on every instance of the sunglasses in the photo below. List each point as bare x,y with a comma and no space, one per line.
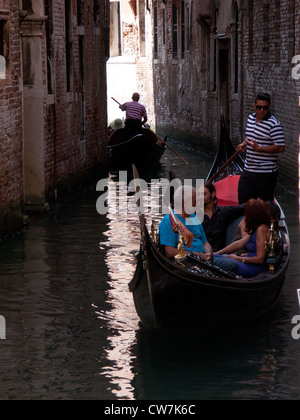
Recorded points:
260,107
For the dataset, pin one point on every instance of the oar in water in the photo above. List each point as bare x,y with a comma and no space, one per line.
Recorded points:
159,138
170,147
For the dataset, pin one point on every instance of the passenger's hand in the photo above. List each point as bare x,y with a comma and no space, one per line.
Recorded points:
233,257
207,257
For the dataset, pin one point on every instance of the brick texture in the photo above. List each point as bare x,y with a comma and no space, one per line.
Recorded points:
73,93
188,97
11,167
75,124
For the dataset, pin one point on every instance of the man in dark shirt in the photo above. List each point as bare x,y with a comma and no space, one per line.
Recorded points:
217,218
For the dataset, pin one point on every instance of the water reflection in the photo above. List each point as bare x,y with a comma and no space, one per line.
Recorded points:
121,244
73,332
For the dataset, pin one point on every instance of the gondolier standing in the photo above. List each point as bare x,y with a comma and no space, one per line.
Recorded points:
136,115
264,141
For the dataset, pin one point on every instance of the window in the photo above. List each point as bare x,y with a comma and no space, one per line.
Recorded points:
97,14
155,30
3,48
81,120
80,13
107,23
182,29
204,57
251,32
175,31
292,31
236,51
114,27
266,30
188,27
2,38
164,26
50,46
142,28
69,44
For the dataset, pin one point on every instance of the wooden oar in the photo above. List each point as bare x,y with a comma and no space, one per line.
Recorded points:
223,167
115,101
159,138
164,142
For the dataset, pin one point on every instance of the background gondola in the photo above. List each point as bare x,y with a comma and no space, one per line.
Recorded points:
143,149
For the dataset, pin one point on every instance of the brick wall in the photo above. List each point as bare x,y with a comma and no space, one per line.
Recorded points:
11,167
267,65
53,106
76,116
188,102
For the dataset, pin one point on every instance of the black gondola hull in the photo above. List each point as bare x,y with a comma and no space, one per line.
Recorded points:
170,297
142,150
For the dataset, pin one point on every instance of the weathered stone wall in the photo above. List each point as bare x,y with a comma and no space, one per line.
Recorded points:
189,89
183,101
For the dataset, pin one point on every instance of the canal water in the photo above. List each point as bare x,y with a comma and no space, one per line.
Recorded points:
72,331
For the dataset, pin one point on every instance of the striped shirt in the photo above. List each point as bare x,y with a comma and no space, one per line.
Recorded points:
267,132
134,110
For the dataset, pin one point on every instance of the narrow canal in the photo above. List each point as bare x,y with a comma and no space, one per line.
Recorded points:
73,333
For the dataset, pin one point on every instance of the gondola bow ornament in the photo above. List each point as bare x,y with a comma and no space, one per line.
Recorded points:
178,227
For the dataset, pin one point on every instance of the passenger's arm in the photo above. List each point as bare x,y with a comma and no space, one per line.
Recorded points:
172,252
234,246
208,251
261,236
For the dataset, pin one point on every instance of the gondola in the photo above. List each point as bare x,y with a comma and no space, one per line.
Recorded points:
143,149
193,293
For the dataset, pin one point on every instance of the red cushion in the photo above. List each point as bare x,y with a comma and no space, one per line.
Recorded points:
227,191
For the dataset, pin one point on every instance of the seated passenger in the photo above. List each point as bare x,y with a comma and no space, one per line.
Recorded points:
184,209
257,222
275,217
115,125
217,218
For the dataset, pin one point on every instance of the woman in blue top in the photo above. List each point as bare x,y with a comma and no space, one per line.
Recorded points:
257,220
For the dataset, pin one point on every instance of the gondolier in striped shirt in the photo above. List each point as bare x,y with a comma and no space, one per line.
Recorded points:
136,115
264,142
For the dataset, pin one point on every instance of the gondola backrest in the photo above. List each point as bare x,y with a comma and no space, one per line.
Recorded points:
232,233
227,191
